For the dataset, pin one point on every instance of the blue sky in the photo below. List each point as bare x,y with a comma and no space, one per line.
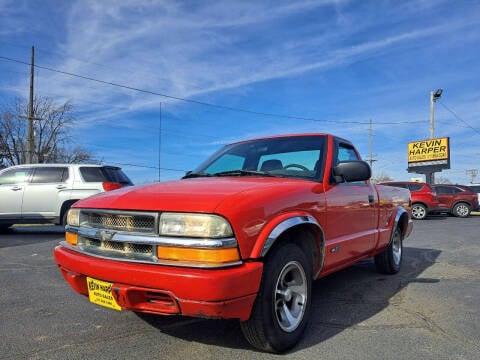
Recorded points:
320,66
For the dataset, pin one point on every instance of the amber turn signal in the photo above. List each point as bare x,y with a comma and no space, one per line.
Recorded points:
71,238
209,257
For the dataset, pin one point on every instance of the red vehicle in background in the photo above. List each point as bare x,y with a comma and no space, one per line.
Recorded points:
459,200
424,198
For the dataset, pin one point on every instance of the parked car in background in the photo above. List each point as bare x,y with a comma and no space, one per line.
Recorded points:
476,189
424,197
459,200
43,193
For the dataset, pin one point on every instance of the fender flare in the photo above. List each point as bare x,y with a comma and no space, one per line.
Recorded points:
290,223
401,216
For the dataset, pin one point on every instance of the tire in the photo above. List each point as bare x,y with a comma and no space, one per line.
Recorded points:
419,211
281,310
390,260
461,210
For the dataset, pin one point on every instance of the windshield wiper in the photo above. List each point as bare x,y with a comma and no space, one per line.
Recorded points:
243,173
195,175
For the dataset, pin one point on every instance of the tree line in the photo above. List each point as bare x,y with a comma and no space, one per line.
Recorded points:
53,125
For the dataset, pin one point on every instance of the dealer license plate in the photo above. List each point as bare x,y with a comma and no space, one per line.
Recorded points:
100,293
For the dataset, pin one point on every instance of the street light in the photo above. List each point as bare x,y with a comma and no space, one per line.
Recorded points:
434,96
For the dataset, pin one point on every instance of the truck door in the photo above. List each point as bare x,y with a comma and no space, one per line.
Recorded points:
351,215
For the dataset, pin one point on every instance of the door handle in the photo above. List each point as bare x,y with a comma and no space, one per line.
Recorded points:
61,187
371,199
16,188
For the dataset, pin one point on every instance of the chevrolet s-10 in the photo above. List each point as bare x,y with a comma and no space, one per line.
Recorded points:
241,237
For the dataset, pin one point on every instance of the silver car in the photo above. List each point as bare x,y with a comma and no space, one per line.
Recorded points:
43,193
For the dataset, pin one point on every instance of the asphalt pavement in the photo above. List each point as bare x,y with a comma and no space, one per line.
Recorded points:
430,310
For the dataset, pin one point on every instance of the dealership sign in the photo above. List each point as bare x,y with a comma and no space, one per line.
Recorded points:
429,155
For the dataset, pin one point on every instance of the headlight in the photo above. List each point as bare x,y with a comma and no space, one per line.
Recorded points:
73,217
194,225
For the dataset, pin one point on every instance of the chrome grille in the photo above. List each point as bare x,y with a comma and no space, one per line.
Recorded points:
100,228
117,249
128,221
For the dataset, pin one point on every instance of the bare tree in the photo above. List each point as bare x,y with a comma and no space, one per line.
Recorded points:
442,180
382,177
52,133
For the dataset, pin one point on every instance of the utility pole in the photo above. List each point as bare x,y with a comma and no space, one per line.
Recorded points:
434,96
30,138
371,143
159,141
370,132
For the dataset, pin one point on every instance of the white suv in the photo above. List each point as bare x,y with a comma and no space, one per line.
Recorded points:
41,193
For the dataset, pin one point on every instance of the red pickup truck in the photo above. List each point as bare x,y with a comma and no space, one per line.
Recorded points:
243,236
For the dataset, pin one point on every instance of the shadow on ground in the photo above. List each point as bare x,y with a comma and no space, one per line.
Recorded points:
340,301
25,235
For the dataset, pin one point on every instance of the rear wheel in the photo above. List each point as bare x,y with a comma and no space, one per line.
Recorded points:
390,260
419,211
461,210
281,309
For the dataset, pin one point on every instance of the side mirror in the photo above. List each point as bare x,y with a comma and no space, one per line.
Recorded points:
350,171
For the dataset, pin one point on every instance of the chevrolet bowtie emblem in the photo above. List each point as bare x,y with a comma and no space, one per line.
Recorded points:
106,235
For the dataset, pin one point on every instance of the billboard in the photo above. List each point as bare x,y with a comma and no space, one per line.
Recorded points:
429,155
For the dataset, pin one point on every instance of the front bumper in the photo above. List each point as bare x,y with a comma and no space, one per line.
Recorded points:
167,290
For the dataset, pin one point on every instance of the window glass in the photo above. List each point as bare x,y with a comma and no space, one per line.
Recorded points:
415,187
44,175
346,154
445,190
92,174
270,155
397,185
116,174
15,176
295,160
106,173
226,162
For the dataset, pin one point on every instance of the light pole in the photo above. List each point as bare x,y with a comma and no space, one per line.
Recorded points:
434,96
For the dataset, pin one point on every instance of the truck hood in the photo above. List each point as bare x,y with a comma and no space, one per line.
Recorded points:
193,195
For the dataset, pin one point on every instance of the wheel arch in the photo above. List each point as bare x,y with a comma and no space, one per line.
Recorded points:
462,202
421,203
402,222
67,204
302,230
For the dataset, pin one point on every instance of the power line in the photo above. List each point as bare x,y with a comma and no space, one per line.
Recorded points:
458,117
171,97
146,166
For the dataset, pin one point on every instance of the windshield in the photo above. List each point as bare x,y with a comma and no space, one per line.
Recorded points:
295,156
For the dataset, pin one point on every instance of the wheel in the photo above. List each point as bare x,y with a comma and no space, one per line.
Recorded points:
461,210
419,211
281,310
298,166
390,260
